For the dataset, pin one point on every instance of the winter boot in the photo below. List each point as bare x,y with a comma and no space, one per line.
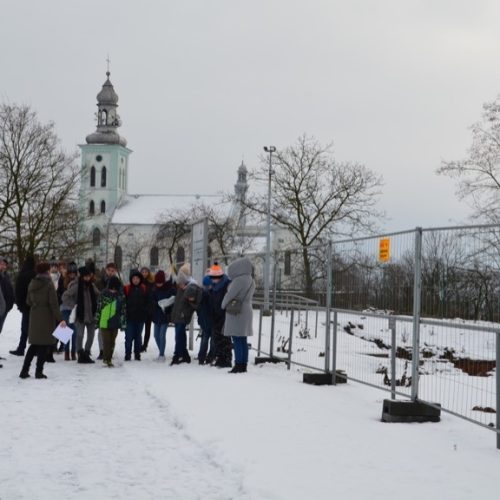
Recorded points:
137,356
17,352
24,374
175,361
89,360
128,357
40,374
100,357
73,356
236,368
66,356
81,356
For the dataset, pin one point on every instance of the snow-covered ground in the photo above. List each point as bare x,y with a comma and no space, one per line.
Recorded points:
145,430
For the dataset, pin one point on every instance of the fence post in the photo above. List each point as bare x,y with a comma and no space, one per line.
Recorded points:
290,337
273,309
497,370
417,292
392,327
334,348
260,330
328,305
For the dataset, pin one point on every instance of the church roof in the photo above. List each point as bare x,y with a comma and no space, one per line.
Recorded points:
149,209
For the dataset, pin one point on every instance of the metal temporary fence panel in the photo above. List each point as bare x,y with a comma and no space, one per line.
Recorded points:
460,315
372,281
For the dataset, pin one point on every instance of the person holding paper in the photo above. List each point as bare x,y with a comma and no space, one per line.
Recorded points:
164,289
44,314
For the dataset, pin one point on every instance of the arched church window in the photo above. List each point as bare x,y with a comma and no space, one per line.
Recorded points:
118,258
103,207
91,207
104,117
154,256
180,255
92,177
96,237
103,177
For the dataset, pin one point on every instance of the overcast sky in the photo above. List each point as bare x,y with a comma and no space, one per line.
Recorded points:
395,84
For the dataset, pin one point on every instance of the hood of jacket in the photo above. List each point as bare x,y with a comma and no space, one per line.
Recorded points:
40,281
239,267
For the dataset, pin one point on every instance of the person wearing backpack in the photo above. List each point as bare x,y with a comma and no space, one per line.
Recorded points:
138,306
110,317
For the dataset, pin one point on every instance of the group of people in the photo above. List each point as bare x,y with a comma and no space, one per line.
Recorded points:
51,294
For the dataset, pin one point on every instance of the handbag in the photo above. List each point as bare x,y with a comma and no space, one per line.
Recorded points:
234,305
72,316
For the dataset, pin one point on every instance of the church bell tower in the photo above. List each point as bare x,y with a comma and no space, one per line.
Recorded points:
104,174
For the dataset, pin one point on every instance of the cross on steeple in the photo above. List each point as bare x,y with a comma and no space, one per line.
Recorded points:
108,61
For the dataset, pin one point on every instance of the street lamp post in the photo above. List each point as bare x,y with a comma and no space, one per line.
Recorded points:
267,269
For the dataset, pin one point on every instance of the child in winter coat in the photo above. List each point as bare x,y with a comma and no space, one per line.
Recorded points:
163,289
110,317
138,304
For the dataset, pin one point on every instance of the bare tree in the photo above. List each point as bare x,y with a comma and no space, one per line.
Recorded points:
478,174
173,228
224,232
37,185
314,196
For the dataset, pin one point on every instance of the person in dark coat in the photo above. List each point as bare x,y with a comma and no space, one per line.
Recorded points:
83,293
44,315
239,326
187,300
26,274
138,306
149,280
206,353
222,344
163,289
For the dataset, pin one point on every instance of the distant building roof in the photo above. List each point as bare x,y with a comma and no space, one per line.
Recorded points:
149,209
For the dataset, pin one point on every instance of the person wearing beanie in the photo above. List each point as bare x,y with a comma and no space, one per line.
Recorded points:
163,289
110,317
187,300
221,344
110,271
138,306
23,280
83,294
64,282
149,280
44,315
239,326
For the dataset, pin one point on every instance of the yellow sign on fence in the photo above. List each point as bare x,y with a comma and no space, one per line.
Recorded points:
384,249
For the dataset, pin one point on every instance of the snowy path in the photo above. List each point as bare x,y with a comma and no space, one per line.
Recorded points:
150,431
93,432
